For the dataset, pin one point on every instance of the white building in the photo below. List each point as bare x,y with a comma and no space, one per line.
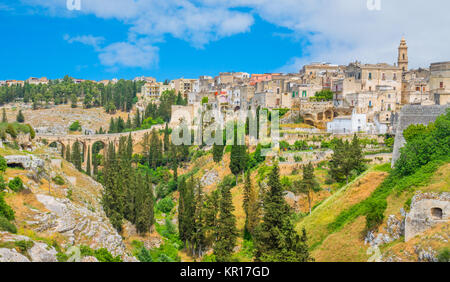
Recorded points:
348,124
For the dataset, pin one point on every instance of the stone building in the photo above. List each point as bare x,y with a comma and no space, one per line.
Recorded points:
440,83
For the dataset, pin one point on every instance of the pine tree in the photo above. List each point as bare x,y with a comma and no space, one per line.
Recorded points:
226,233
188,214
276,239
4,117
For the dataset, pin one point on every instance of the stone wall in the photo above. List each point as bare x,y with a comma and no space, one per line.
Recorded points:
427,210
414,114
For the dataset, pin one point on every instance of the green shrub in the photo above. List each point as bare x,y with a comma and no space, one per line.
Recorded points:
16,184
24,245
2,183
32,132
5,210
228,181
58,180
444,255
165,205
298,159
75,126
11,131
144,255
5,225
3,164
102,255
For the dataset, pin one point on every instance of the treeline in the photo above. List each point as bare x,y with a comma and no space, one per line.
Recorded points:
206,221
113,97
128,192
153,114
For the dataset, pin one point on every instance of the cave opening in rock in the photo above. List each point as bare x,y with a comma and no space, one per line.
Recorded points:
436,213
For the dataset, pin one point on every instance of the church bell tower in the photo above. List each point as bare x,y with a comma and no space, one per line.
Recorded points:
403,55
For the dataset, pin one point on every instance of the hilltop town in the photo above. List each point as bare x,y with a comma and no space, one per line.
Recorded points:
360,171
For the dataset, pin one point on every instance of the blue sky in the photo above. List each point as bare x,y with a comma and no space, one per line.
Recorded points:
187,38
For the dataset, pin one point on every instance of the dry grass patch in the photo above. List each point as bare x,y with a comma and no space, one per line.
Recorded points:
345,245
316,224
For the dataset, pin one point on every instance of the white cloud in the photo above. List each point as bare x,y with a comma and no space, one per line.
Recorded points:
344,30
127,54
90,40
339,31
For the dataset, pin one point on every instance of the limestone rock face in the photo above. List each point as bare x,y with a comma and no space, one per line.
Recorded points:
79,224
210,178
26,161
427,210
41,252
11,255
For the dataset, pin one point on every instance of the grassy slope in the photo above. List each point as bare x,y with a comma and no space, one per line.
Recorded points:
347,244
356,191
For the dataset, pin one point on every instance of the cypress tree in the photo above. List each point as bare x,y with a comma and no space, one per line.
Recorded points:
181,212
308,184
76,155
112,126
144,204
166,138
137,120
68,153
276,239
218,152
198,237
128,124
20,117
4,117
88,166
226,232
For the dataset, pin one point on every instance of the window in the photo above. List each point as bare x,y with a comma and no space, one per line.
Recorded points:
370,75
441,85
403,56
417,88
383,76
370,103
370,88
395,76
304,93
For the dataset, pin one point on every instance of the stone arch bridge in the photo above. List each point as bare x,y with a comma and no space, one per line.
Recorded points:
87,141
